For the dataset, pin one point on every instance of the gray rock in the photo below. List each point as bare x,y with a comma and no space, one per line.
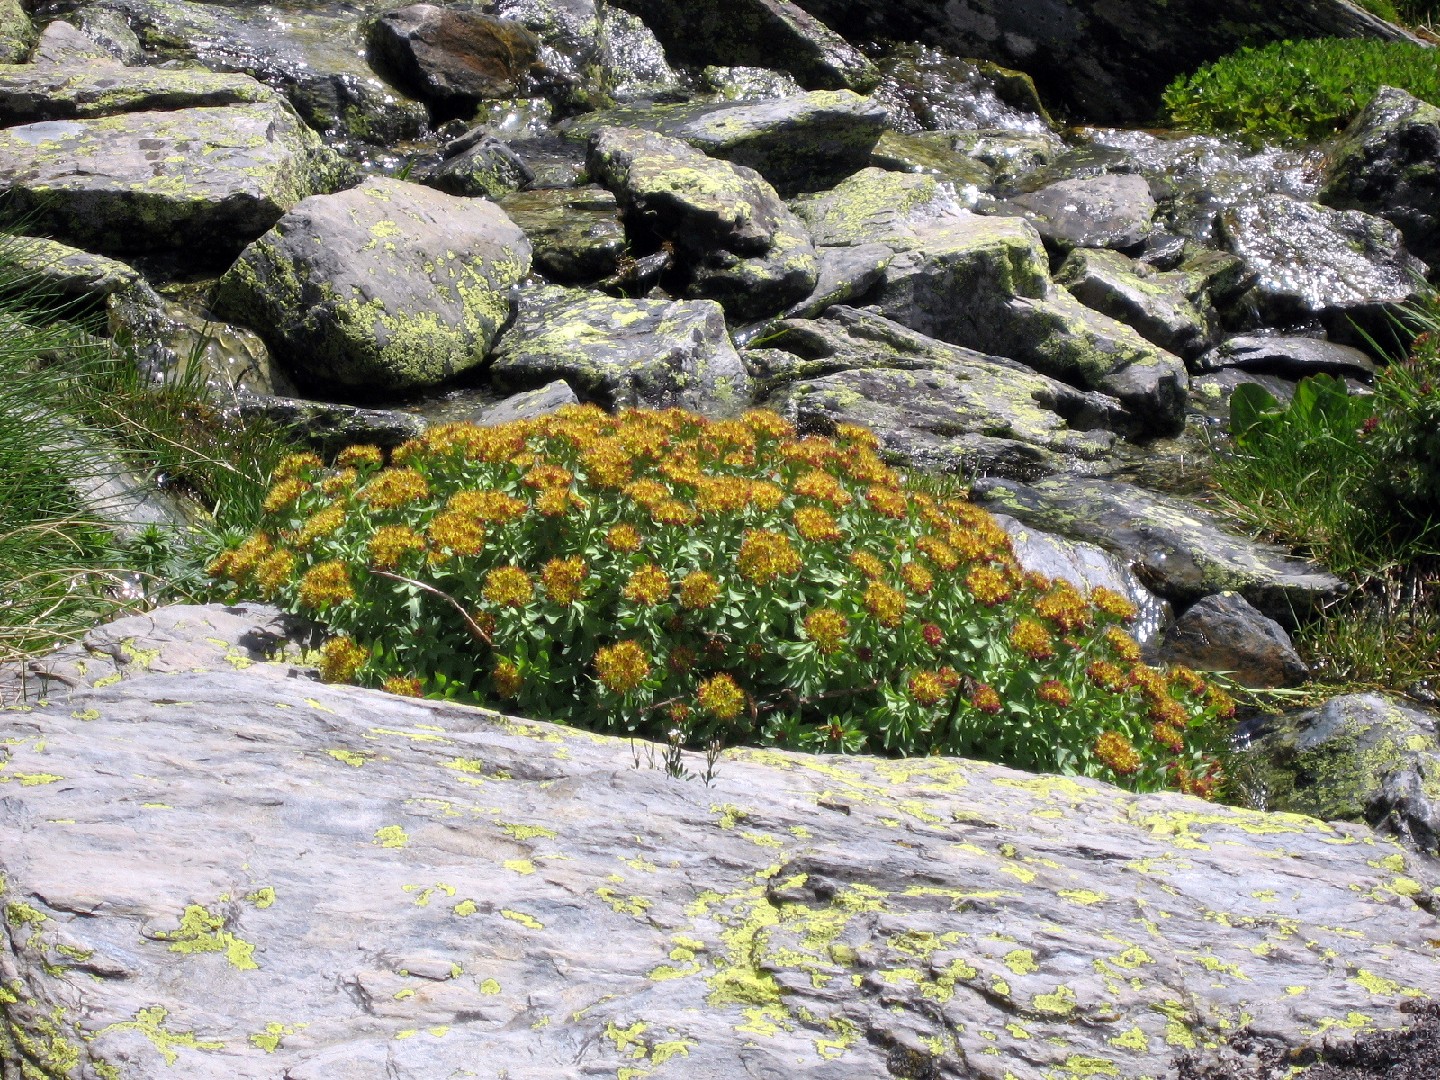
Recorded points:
68,272
1224,632
1288,356
757,33
743,83
340,883
61,43
452,57
934,405
846,274
529,404
1311,262
732,235
89,88
637,353
608,52
1169,309
385,287
1105,62
932,153
1360,757
927,89
1210,392
1011,156
1179,550
314,56
1108,211
576,234
808,142
201,181
485,167
17,32
876,206
1087,567
330,426
1013,309
1388,163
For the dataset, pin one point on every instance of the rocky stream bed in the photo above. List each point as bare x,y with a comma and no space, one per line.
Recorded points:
363,220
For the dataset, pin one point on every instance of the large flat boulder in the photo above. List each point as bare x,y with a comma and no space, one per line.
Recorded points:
388,286
202,181
217,868
1105,61
82,89
637,353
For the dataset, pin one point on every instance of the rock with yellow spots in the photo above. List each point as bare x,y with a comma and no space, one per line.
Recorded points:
388,286
238,872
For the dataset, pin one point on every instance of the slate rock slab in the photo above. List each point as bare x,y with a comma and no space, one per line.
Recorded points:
1289,356
217,868
1108,211
201,181
1171,309
388,286
1388,163
637,353
575,233
452,57
1180,550
1358,757
30,93
1224,632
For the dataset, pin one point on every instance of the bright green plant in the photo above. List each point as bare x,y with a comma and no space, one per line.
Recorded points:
1297,91
682,579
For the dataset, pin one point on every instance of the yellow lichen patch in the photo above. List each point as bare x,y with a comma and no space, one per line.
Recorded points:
634,906
1015,870
391,836
1021,961
1177,1032
465,908
1394,863
844,1035
1082,896
1079,1065
353,758
1134,1039
519,866
527,921
490,987
1378,984
262,898
1215,964
761,839
1132,958
150,1022
528,832
426,892
765,1021
86,715
422,736
1062,1002
202,931
269,1039
640,864
730,815
1049,786
32,779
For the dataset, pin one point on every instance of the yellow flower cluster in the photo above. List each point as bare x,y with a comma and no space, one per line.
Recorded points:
564,579
622,667
721,697
648,585
765,555
325,584
508,586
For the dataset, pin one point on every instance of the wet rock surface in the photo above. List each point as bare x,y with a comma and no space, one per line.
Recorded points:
388,286
89,88
1170,309
386,888
1225,633
1107,211
1291,357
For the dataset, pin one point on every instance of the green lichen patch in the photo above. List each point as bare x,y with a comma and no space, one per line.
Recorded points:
202,931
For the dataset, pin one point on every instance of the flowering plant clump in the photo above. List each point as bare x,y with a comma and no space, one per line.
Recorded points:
659,574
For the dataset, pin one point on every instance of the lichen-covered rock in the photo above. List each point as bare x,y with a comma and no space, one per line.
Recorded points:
1012,308
756,33
60,269
935,405
341,883
637,353
330,426
576,233
876,206
807,142
479,165
1169,309
61,43
928,89
1388,163
734,238
33,92
1312,262
1224,632
17,32
1180,550
313,55
1359,757
452,57
202,181
387,286
1288,355
529,404
1113,210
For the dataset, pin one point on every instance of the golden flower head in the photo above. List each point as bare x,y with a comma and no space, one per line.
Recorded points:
917,579
236,564
765,556
274,571
1054,692
1122,645
868,564
508,586
857,436
320,524
1117,754
938,552
827,628
360,457
403,686
1032,639
1064,608
816,525
1168,736
556,502
325,584
928,688
885,603
985,699
339,483
764,495
822,487
1113,603
506,678
284,493
887,501
391,489
1106,676
564,579
721,495
769,424
622,667
488,506
548,475
989,586
301,465
673,512
649,585
340,659
720,696
456,533
699,589
390,544
623,538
